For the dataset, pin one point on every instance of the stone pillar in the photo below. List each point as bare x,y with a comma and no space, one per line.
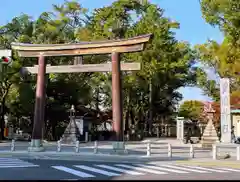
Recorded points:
169,130
226,124
117,97
180,128
36,143
158,132
166,130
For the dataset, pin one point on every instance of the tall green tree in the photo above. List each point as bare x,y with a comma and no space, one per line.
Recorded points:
223,58
165,61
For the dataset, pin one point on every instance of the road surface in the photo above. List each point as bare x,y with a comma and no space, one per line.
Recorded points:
16,169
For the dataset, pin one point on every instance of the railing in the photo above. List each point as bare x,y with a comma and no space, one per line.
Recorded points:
76,146
148,147
169,149
215,150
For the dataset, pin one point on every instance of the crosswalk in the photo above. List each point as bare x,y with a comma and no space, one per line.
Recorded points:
113,170
15,163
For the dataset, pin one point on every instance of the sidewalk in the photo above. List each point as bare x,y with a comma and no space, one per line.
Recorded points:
87,156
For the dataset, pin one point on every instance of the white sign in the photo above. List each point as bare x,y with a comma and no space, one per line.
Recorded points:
5,56
180,128
225,110
79,123
5,53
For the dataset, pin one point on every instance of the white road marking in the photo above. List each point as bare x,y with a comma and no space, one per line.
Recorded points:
74,172
206,169
140,169
18,166
163,169
69,179
92,169
14,163
184,169
120,170
9,159
230,169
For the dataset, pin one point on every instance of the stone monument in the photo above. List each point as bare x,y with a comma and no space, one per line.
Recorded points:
210,134
226,124
72,132
180,128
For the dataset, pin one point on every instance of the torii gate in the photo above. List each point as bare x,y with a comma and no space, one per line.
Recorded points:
113,47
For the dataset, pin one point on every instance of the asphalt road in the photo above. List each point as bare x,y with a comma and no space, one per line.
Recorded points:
16,169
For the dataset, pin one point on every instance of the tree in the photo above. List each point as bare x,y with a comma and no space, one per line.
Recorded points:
192,110
7,79
223,58
165,61
225,15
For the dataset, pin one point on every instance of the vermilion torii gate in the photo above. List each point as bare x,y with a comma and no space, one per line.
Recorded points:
113,47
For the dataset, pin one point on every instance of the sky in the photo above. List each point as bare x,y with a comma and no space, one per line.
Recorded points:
193,27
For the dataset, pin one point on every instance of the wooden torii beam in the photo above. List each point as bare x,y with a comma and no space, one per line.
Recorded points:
84,48
113,47
80,68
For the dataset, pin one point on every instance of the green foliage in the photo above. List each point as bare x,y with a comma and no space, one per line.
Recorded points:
224,14
192,110
224,58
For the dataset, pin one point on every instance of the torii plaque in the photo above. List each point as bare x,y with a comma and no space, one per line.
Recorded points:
113,47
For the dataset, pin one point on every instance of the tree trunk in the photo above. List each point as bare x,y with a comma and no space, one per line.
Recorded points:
150,121
127,114
54,124
97,99
132,117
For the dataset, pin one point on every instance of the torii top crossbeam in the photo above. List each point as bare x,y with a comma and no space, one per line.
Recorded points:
133,44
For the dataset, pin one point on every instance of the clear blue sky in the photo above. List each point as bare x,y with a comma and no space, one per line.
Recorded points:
186,12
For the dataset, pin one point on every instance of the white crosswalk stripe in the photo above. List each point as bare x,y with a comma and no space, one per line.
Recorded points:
126,171
111,170
185,169
206,169
74,172
97,170
164,169
141,169
230,169
14,163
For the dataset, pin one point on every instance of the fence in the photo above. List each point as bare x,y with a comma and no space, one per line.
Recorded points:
157,148
216,150
146,148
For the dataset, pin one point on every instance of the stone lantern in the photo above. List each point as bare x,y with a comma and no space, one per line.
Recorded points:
210,134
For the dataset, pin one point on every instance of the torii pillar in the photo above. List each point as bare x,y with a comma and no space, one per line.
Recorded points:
117,97
36,144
